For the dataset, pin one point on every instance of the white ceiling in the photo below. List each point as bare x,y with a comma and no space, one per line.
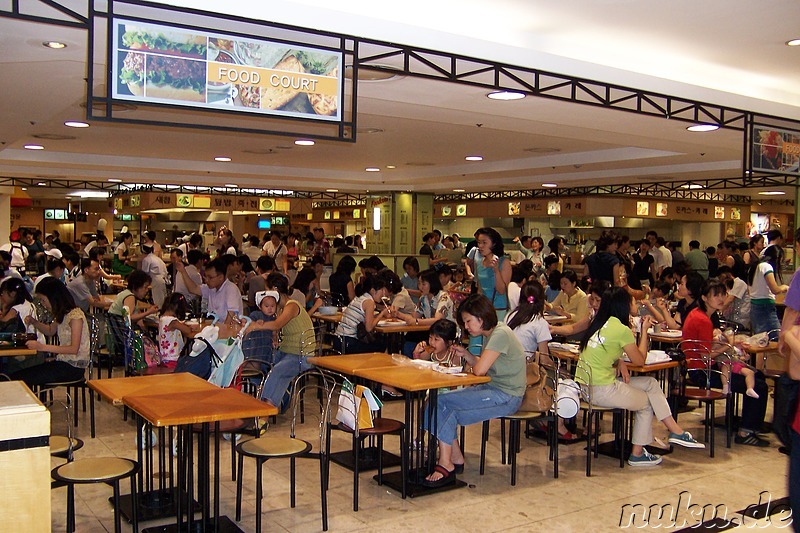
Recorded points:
721,51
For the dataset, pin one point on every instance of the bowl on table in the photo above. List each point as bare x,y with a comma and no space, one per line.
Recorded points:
327,310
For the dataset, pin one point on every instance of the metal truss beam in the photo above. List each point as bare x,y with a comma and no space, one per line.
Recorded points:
46,12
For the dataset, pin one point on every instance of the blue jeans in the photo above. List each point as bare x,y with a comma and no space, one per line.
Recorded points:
470,406
764,317
287,367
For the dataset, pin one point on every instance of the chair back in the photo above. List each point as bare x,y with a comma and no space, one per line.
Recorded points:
321,386
257,345
709,353
93,323
584,380
56,405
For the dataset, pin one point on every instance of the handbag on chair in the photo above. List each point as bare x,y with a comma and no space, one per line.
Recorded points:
538,394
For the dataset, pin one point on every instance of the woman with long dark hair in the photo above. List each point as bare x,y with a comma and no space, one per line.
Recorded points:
607,339
69,324
492,269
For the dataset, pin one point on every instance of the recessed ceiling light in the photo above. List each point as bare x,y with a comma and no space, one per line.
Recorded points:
76,124
506,95
550,185
391,166
372,169
33,147
331,190
691,186
474,158
55,45
304,142
114,180
459,190
24,188
41,184
231,185
772,193
703,127
222,159
793,42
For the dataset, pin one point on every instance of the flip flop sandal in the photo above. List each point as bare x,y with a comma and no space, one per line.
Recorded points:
447,478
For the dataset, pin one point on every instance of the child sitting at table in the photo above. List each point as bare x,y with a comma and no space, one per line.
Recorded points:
439,347
172,330
259,344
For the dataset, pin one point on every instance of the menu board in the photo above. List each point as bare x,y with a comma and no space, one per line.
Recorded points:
155,63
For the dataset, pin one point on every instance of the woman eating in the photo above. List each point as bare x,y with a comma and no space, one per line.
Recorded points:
126,302
571,301
69,324
360,314
502,359
607,339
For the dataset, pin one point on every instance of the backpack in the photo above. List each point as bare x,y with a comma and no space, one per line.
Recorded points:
201,364
144,353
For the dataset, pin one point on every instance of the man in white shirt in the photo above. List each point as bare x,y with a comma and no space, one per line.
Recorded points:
223,297
19,254
662,255
194,257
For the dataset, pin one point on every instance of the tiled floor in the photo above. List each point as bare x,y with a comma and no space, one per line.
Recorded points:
687,479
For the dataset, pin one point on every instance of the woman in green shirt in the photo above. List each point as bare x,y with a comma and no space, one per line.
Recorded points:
605,342
503,360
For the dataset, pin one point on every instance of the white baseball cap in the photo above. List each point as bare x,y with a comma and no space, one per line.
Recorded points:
54,252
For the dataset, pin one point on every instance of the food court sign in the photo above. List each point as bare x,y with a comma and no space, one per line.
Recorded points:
775,150
155,63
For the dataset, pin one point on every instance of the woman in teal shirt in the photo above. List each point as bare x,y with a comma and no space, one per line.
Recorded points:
602,348
492,269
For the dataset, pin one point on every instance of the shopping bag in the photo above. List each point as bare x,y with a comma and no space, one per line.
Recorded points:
353,403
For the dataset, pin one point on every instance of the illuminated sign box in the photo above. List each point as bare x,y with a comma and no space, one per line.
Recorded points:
156,63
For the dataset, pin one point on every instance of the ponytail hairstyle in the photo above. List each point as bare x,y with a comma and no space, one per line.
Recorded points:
531,305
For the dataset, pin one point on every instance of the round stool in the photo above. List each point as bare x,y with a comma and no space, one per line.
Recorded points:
98,470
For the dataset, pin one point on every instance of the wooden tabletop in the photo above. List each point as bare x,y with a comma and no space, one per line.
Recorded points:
333,319
115,389
771,347
414,379
348,364
401,327
17,352
655,367
175,408
665,339
565,355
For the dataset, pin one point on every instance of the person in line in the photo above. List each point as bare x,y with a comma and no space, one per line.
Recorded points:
753,253
225,243
154,265
608,337
503,360
571,301
697,260
72,352
172,330
737,303
321,247
698,326
361,311
277,250
296,345
223,297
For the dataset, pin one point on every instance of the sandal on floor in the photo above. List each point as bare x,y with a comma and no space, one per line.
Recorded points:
448,477
568,437
459,468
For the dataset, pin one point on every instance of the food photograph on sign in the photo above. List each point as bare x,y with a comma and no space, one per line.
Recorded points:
661,209
164,64
554,207
642,209
513,208
775,149
719,212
